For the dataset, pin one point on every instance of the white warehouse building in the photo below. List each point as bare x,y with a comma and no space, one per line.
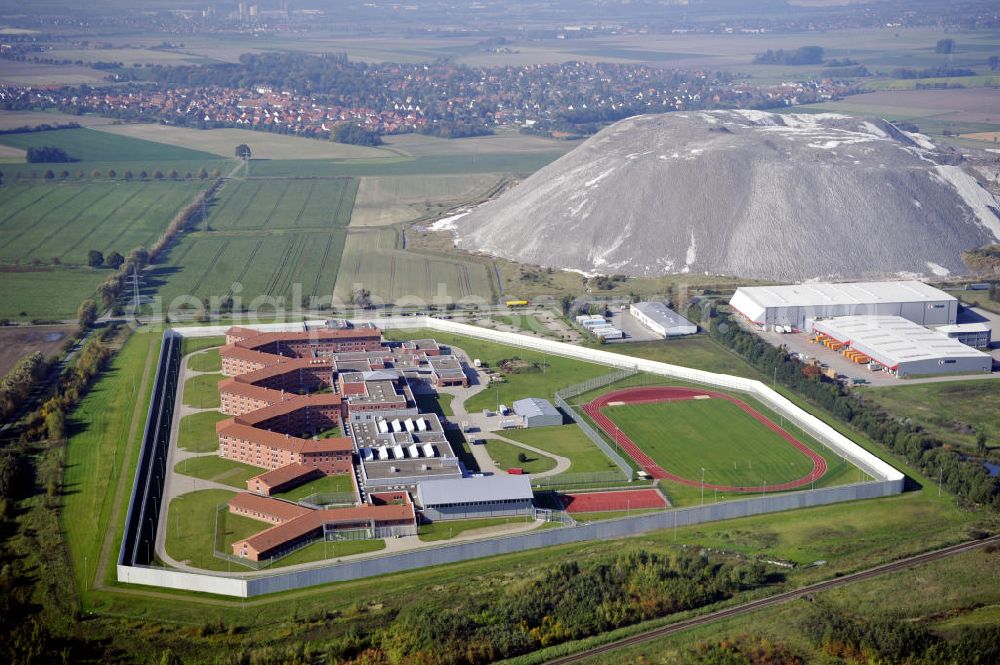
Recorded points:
903,347
797,305
662,320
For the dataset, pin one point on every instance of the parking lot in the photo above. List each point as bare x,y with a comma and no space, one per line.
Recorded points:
634,331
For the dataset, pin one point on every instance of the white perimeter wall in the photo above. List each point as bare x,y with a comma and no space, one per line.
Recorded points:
888,479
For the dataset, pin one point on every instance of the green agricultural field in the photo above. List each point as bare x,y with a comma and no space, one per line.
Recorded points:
449,529
46,293
202,391
505,456
218,470
387,200
89,145
375,261
568,441
332,484
66,220
531,381
685,436
266,237
49,227
197,432
955,412
206,361
284,205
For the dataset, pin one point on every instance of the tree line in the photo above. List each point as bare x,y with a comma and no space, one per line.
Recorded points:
965,478
570,601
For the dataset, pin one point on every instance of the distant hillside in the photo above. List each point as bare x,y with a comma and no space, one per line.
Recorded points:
744,193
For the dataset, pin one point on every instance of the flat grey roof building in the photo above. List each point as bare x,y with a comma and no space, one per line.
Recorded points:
661,319
796,304
487,489
903,347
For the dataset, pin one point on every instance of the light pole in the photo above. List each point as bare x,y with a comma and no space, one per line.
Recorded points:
703,486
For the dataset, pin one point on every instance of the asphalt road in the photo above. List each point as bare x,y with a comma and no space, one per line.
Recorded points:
778,599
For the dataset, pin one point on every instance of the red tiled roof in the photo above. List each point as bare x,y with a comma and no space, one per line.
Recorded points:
284,474
276,508
288,531
281,441
289,404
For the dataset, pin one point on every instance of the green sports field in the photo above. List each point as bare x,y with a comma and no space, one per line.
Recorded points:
686,435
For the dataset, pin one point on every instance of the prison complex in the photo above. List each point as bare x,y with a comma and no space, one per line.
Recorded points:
337,400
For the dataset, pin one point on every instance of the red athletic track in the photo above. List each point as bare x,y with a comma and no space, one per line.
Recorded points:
668,394
592,502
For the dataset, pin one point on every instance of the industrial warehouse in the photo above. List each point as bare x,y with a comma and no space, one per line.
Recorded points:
339,400
903,328
901,347
797,305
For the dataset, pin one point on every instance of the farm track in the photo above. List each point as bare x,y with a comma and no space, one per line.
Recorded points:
246,266
277,202
208,268
305,204
777,599
246,206
319,274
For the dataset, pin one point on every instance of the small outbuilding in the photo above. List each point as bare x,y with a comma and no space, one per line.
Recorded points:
537,412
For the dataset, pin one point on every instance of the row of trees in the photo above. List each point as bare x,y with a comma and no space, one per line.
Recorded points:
127,174
963,477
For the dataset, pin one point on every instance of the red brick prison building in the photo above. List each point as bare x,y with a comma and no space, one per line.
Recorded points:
387,515
286,390
248,350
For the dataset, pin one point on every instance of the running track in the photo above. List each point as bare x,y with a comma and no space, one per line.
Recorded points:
592,502
595,410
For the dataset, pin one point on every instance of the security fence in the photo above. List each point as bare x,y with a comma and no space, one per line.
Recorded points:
581,479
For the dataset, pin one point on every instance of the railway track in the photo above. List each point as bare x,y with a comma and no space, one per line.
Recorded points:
778,599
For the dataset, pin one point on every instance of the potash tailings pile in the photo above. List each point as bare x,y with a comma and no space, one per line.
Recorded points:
744,193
